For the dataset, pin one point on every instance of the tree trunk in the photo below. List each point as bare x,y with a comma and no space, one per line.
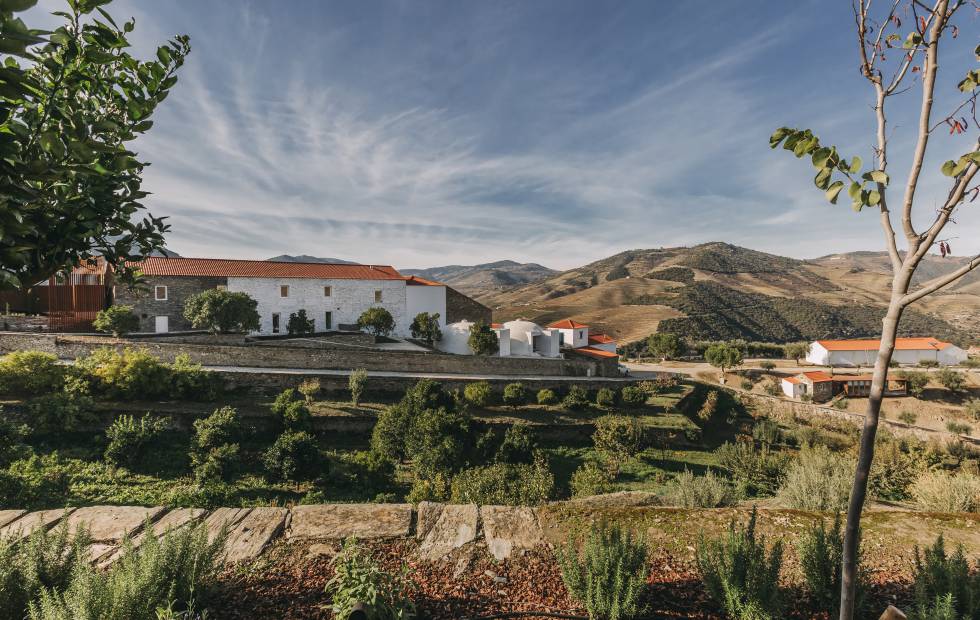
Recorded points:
860,487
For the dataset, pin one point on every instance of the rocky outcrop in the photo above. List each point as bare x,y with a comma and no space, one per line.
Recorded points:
445,528
509,529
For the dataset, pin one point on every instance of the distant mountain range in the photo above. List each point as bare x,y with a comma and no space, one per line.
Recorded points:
487,279
306,258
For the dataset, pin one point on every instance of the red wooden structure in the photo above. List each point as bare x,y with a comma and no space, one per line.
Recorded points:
70,302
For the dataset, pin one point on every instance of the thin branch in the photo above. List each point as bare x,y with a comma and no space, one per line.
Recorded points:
956,196
944,281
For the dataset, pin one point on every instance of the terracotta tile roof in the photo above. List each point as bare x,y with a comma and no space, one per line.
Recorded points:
496,325
817,376
221,267
864,378
793,380
92,265
567,324
593,352
901,344
600,339
417,281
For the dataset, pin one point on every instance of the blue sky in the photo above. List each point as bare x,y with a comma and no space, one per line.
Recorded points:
427,133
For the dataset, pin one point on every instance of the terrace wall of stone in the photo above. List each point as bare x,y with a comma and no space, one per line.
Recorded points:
71,347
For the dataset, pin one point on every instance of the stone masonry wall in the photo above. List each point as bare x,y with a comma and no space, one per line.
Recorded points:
459,307
147,308
23,323
72,347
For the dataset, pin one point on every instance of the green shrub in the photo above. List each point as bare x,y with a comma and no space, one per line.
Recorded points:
707,491
483,340
817,480
133,374
766,432
425,327
165,573
576,398
130,440
291,413
429,489
356,383
12,440
504,483
591,479
299,324
908,417
363,470
376,320
841,403
958,428
68,409
937,491
189,381
951,380
294,456
895,469
633,395
916,381
772,387
478,393
618,438
217,464
608,576
709,407
747,385
358,578
547,397
309,388
928,363
518,445
605,397
222,311
440,440
740,574
515,395
30,373
116,320
767,365
390,434
756,472
821,554
214,448
943,581
35,481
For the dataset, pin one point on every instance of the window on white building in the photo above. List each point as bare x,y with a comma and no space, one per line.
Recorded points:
160,293
377,296
275,322
327,291
284,290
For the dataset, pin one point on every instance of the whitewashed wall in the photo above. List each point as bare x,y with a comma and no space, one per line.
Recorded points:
429,299
347,300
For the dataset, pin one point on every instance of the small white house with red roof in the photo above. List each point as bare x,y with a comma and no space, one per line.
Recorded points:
908,351
572,334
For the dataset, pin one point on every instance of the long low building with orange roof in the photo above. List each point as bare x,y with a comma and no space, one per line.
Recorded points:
908,351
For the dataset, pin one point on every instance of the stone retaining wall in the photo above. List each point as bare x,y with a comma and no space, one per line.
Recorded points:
72,347
23,323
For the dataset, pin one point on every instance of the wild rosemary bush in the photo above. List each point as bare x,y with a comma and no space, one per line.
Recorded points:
359,579
515,395
608,576
820,551
943,581
130,440
817,480
547,397
707,491
741,574
938,491
478,393
756,472
163,573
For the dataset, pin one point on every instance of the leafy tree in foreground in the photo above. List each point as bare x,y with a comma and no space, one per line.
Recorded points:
425,327
299,324
483,340
71,102
377,320
723,356
222,311
116,320
916,30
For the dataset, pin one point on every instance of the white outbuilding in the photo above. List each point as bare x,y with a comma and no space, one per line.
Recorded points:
529,339
908,351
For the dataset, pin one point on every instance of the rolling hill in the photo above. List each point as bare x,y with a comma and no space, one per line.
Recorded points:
720,291
306,258
480,281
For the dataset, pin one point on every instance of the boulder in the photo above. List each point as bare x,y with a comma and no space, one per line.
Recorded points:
892,613
224,518
445,528
254,533
9,516
510,528
343,520
111,524
44,519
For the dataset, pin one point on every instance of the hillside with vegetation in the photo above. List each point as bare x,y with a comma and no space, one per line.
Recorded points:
485,279
718,291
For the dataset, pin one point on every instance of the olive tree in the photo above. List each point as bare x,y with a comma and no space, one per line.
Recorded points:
71,103
898,52
222,311
723,356
664,345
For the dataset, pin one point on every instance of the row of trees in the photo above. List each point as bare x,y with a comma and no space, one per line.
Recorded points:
666,345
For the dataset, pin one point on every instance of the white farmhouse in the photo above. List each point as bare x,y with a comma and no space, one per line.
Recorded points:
908,351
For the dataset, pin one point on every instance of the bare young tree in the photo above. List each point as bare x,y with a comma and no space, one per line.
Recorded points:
899,47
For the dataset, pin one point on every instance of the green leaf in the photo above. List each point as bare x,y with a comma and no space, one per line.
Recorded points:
912,40
163,53
778,136
948,167
878,176
855,165
857,205
822,180
970,82
854,191
16,6
833,191
874,197
974,157
820,157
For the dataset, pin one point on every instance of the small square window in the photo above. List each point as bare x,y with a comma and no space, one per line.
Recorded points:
327,291
284,290
377,296
160,293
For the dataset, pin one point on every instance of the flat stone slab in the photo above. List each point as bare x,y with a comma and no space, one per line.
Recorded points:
510,528
9,516
172,521
254,533
111,524
44,519
445,528
343,520
224,517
